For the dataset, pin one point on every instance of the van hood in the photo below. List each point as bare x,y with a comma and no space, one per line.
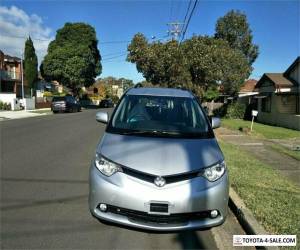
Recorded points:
160,156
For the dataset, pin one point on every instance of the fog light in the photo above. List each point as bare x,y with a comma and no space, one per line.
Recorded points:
103,207
213,213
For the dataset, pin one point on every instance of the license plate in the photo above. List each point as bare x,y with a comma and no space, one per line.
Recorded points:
159,208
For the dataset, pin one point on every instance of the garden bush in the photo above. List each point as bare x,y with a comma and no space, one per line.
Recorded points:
235,111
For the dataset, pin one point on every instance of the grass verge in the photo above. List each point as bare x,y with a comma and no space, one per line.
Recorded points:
274,200
261,130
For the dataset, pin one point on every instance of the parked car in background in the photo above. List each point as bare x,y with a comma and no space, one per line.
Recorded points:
106,103
65,104
159,165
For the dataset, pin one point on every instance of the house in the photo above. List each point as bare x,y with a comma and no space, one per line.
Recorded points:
11,75
248,92
10,79
278,97
117,90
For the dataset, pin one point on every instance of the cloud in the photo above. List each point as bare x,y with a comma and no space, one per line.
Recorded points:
16,25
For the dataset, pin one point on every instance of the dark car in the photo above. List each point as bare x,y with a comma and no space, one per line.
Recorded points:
65,104
106,103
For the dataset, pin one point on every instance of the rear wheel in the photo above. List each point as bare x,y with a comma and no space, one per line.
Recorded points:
55,111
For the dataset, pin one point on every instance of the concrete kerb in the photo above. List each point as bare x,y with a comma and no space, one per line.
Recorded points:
246,218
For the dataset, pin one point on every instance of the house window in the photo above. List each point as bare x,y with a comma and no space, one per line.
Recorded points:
266,104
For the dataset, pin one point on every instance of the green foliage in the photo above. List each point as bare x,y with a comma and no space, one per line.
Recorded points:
234,28
47,94
73,58
212,61
162,64
199,64
146,84
235,111
5,106
30,64
53,93
115,99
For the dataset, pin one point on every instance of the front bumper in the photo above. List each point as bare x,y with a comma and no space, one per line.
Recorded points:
127,193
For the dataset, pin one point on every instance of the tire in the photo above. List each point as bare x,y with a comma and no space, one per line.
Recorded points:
55,112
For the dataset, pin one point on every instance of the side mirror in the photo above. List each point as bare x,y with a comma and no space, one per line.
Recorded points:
102,117
215,122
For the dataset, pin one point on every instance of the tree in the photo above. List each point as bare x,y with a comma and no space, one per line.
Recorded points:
235,29
212,62
198,64
30,64
73,58
160,63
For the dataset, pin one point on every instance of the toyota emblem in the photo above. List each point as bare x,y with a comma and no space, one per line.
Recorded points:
159,181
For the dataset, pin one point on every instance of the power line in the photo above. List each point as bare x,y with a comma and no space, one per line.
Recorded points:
188,22
24,37
113,57
187,12
112,54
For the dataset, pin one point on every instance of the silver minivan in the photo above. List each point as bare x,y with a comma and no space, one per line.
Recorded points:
158,165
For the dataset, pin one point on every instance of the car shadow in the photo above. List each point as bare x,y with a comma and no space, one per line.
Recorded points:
190,240
187,239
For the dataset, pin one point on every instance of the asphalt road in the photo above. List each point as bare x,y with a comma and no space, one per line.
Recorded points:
44,190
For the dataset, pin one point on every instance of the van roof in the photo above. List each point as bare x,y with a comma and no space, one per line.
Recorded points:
160,92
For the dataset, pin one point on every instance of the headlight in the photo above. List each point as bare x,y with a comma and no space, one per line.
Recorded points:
215,172
106,167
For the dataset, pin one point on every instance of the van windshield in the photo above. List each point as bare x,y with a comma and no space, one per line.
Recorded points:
163,116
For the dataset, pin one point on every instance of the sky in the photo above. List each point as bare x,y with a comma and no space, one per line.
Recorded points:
275,27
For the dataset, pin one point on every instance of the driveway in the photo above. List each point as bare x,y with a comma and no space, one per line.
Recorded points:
44,189
261,150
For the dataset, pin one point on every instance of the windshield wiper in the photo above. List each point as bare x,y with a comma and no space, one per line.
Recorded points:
152,132
164,133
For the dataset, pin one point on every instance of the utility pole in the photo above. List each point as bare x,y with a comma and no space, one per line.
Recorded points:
22,77
175,29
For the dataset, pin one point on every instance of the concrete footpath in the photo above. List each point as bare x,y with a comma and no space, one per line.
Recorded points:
261,149
9,115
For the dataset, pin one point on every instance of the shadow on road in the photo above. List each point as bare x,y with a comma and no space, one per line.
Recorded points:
69,229
190,240
43,202
45,180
